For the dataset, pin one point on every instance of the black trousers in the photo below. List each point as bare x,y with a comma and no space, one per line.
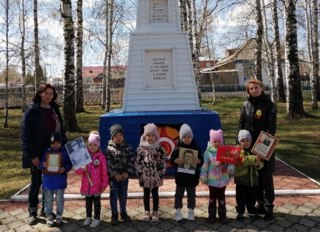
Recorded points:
155,198
266,193
36,181
246,197
191,196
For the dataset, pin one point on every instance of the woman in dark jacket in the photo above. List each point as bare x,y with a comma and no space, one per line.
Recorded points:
259,114
40,120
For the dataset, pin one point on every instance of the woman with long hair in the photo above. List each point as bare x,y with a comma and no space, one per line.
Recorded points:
40,120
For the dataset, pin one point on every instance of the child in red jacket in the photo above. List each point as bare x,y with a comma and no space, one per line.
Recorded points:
96,173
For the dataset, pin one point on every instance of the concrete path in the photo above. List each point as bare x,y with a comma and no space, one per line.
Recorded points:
297,208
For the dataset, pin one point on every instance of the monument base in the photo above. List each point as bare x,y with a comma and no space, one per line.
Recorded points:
169,122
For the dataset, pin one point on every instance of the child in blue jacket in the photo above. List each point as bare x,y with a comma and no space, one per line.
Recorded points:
55,164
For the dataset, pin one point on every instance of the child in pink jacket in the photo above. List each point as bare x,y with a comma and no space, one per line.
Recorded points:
96,173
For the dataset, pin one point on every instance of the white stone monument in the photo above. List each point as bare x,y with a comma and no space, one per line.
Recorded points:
160,75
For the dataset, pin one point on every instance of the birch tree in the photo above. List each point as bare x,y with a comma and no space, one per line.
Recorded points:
105,83
38,69
278,72
258,53
315,56
7,21
22,25
294,92
69,69
111,22
79,44
270,61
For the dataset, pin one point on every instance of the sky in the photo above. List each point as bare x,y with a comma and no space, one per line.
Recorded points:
225,33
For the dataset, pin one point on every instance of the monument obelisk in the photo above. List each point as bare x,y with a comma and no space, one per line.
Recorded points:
160,75
160,86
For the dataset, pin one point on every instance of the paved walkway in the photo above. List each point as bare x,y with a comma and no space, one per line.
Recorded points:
297,208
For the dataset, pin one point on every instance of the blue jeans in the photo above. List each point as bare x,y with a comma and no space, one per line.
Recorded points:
118,189
48,204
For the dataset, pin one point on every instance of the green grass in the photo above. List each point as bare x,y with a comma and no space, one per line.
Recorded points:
299,140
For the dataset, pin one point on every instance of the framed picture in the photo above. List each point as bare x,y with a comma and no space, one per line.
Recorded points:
188,156
53,161
228,154
265,145
78,153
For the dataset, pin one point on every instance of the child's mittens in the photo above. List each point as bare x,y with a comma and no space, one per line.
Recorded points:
216,163
259,165
118,177
62,170
124,175
203,180
230,169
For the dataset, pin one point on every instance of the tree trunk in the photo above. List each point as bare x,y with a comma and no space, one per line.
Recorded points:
183,15
211,74
7,24
198,33
259,41
79,84
38,70
294,93
106,50
69,79
269,55
315,56
22,55
279,75
110,55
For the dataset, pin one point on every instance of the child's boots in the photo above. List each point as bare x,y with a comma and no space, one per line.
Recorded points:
212,215
222,212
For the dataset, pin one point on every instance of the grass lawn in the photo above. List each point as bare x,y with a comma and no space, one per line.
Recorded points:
299,140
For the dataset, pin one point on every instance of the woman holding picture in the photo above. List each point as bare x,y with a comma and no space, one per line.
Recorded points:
40,120
259,114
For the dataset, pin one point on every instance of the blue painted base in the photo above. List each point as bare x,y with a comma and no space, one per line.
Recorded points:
201,121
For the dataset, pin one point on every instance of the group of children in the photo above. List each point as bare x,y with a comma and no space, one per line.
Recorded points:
148,163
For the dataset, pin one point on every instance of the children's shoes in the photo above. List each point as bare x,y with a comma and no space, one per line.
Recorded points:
155,216
178,215
50,221
59,220
87,221
95,223
191,215
146,216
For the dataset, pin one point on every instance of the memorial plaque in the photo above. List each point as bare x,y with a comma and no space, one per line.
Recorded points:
158,11
158,65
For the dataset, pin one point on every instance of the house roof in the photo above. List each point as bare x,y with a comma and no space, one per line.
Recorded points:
245,52
93,71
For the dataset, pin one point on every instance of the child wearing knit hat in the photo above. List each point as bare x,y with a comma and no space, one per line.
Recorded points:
94,181
246,177
150,167
186,180
54,178
120,160
217,176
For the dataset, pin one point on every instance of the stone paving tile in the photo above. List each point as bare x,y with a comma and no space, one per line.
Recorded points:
293,213
289,217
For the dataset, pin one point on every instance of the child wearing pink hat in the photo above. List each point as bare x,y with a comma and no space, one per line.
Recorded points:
94,181
217,176
150,166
